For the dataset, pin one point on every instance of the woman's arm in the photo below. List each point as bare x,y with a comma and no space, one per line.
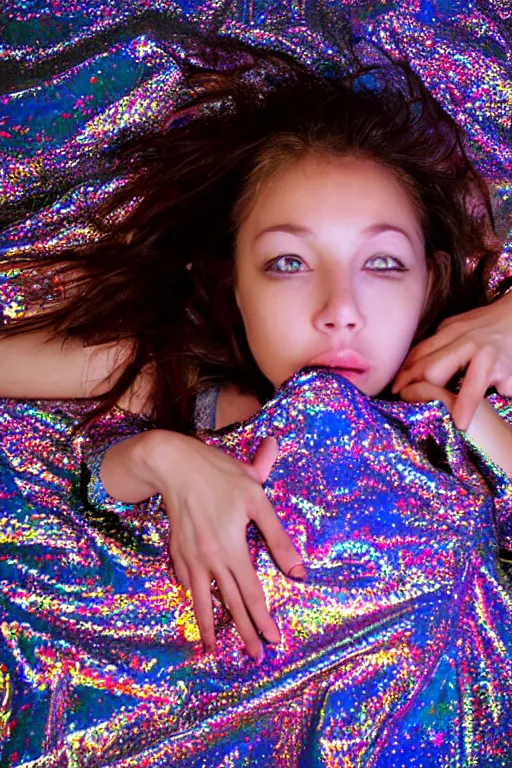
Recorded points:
492,435
36,366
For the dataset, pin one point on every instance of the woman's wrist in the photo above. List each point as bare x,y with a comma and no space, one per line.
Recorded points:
156,457
130,470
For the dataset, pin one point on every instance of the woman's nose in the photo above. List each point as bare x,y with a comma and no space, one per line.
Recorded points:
339,309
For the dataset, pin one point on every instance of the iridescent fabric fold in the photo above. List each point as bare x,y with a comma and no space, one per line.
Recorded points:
397,647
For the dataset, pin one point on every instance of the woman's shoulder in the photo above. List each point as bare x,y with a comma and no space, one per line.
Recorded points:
217,405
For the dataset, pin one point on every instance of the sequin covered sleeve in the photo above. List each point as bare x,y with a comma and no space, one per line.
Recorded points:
97,439
398,644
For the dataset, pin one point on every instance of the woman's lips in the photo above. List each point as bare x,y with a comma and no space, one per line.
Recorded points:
348,363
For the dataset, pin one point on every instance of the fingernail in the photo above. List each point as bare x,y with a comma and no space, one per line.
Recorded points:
273,637
297,572
258,658
207,648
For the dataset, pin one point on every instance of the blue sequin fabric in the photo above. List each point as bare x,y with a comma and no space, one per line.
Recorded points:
397,647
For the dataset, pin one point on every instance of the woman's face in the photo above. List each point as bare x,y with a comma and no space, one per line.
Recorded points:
331,270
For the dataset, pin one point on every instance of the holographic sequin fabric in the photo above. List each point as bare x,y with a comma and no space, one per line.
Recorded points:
77,77
396,650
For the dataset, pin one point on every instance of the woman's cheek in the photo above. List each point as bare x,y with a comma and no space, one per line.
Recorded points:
405,312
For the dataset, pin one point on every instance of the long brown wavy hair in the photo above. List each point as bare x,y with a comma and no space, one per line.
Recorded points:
162,273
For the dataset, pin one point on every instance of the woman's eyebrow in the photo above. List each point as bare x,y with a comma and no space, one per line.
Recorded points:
301,231
376,229
291,229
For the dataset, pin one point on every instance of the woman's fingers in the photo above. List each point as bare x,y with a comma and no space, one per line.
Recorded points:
180,568
279,543
428,346
425,391
473,389
202,599
253,597
238,610
208,521
462,406
475,331
438,367
244,597
264,459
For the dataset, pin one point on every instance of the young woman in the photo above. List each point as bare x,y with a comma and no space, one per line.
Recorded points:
337,222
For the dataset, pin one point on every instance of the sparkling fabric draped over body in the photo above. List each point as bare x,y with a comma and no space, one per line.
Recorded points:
399,643
396,650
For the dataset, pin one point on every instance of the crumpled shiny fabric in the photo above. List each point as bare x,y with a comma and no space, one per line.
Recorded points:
396,650
78,77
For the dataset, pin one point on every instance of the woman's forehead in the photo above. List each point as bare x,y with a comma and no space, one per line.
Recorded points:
315,191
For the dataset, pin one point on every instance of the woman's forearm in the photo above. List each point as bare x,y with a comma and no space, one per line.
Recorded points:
37,366
493,435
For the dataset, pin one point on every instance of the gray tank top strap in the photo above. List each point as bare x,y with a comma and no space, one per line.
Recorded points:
206,407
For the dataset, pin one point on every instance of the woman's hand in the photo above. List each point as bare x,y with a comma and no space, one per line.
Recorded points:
479,342
210,499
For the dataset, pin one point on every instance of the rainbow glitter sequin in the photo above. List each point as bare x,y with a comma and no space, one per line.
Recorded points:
396,651
398,646
79,76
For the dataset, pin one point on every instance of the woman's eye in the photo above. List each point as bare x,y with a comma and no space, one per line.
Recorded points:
385,263
285,264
